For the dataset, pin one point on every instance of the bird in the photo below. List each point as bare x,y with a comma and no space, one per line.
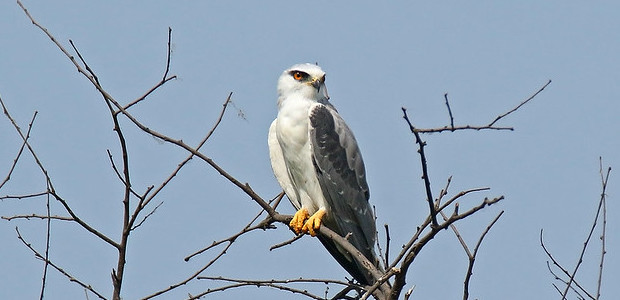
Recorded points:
317,162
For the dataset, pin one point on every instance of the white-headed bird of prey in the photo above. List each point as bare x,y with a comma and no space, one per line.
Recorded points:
316,160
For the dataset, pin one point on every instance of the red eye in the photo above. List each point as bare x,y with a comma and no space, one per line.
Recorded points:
298,76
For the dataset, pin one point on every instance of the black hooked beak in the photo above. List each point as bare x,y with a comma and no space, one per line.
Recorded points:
316,82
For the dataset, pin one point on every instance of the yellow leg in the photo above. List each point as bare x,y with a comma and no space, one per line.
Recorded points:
297,223
314,222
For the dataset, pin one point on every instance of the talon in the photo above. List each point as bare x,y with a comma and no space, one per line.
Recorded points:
297,223
314,222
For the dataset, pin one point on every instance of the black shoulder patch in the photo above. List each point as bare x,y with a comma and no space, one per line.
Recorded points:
331,156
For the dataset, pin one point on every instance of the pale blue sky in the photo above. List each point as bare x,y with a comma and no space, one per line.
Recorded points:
487,55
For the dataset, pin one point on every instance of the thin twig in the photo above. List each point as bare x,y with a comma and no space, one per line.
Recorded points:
458,236
387,246
343,294
409,292
449,111
558,278
425,175
411,250
519,106
109,99
147,216
559,266
118,173
284,281
35,216
51,189
273,283
461,194
464,127
63,272
247,228
472,257
19,197
262,225
585,244
90,71
382,259
190,156
21,149
604,180
490,126
379,283
164,79
370,268
286,243
443,192
47,245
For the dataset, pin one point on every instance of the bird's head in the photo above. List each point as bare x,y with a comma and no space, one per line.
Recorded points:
305,80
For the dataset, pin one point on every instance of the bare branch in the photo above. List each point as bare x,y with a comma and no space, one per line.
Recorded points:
519,106
164,79
63,272
465,127
461,194
231,239
380,283
47,244
110,100
445,96
286,243
129,218
585,244
557,264
273,283
83,223
90,71
119,175
426,222
191,155
383,286
425,176
443,192
19,197
604,180
51,189
472,257
262,225
566,282
409,292
387,246
490,126
412,248
21,149
458,236
24,137
383,260
147,216
35,216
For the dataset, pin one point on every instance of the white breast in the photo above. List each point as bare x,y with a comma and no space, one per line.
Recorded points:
292,132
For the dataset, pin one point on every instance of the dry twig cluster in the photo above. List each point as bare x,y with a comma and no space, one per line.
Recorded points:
138,206
569,278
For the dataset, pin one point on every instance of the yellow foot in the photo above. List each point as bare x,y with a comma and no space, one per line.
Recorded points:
297,223
314,222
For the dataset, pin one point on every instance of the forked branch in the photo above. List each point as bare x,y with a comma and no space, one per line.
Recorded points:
570,280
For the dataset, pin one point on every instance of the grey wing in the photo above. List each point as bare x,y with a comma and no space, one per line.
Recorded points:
342,176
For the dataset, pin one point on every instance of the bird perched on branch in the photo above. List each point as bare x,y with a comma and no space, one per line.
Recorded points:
316,160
